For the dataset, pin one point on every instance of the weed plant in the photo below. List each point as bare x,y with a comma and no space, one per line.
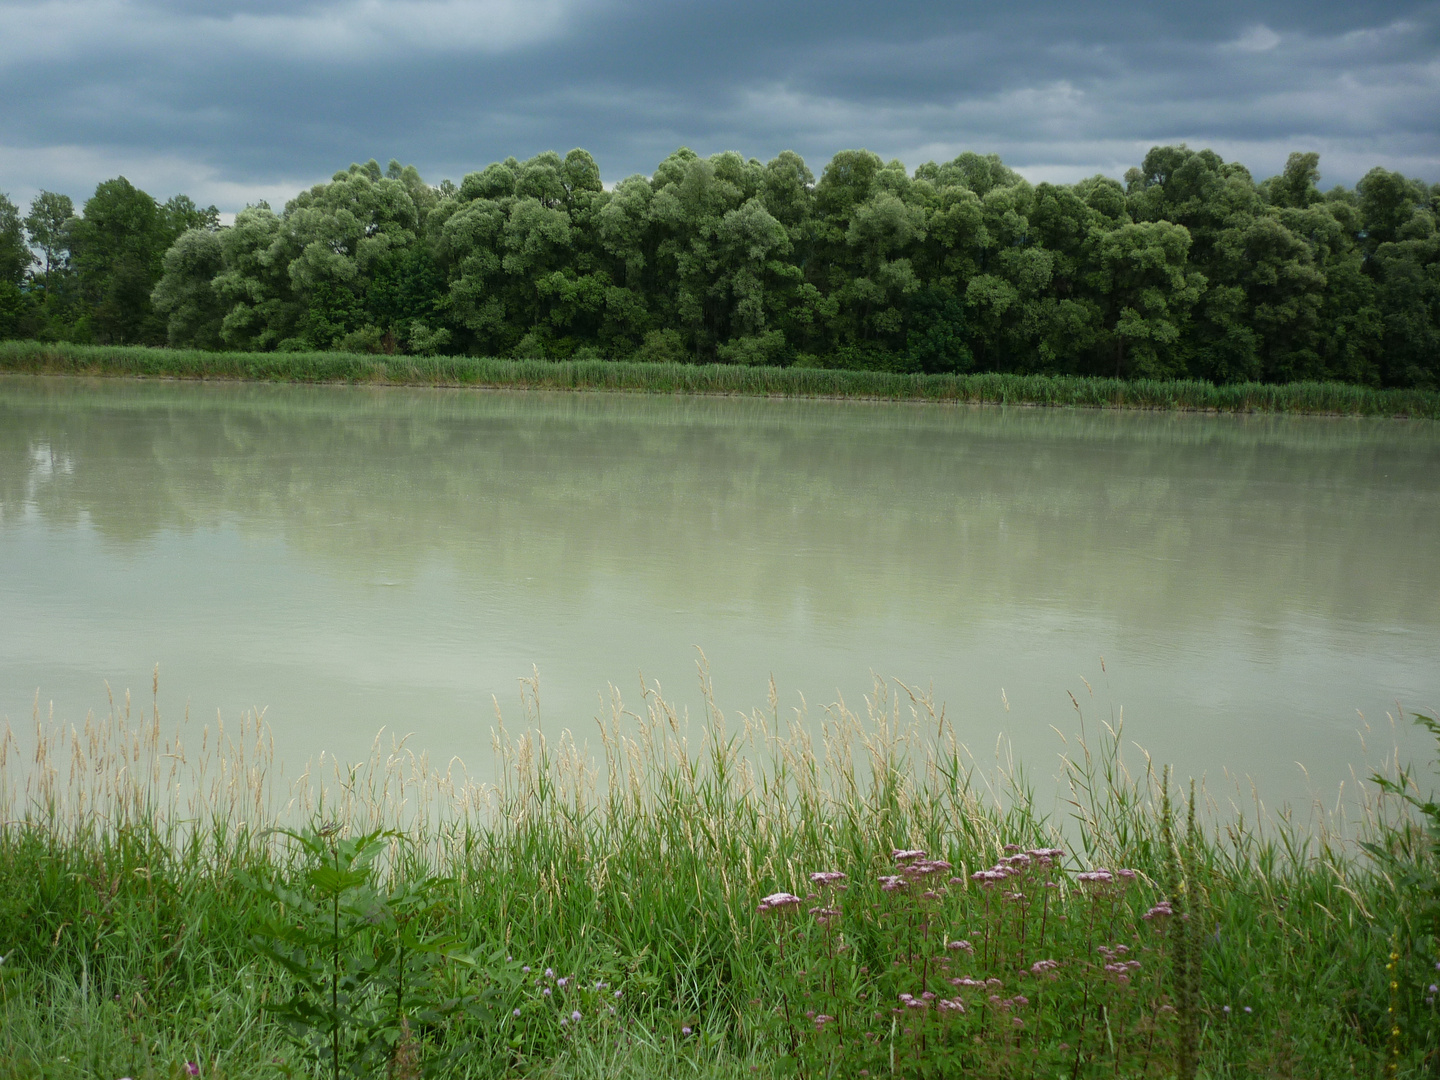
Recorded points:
848,894
672,378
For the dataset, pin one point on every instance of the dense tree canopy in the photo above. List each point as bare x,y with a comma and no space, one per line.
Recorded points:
1188,267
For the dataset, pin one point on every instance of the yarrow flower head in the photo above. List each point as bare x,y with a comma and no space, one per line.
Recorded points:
904,855
826,877
961,945
892,883
1162,910
1095,877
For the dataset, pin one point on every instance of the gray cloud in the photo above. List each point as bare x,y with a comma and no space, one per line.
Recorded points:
247,99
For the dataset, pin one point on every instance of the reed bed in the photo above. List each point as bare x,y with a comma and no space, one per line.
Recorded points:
1320,398
725,895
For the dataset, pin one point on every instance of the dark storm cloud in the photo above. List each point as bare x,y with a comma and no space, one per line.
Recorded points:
241,99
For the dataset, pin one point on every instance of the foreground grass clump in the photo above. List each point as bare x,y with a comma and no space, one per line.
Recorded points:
661,378
844,897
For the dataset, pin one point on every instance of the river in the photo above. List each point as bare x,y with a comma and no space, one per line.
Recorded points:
1253,592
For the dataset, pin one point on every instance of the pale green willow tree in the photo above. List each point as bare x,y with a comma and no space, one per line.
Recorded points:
1149,290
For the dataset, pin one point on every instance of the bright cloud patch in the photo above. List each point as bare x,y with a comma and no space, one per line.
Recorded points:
1259,38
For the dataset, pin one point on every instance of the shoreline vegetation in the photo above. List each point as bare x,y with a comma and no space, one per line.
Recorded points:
1307,398
1188,267
734,896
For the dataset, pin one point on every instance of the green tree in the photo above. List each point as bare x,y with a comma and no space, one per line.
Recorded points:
186,292
118,246
46,225
15,260
1149,290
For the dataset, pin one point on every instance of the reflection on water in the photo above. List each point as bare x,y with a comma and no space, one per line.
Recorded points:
352,557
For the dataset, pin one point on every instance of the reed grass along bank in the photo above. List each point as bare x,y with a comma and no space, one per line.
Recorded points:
1338,399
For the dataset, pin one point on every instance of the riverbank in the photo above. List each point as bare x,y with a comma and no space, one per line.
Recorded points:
1333,399
726,899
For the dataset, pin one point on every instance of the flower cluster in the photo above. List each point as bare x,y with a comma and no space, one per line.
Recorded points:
780,901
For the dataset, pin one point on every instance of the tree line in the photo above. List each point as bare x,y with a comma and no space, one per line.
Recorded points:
1187,268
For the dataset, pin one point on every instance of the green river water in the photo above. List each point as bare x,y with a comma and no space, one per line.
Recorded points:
1259,588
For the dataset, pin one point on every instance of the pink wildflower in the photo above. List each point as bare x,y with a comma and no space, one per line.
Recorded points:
778,902
902,855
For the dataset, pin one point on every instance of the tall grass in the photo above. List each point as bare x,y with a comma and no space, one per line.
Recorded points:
991,388
128,903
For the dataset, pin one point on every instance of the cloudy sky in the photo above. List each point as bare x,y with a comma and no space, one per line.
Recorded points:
237,100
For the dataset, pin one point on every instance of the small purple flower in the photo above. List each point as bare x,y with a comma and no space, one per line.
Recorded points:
901,855
575,1016
617,995
546,991
515,1013
562,981
1226,1009
685,1030
1248,1009
526,969
192,1069
549,973
826,877
961,945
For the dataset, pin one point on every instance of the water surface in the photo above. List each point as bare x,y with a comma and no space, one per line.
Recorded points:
348,558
